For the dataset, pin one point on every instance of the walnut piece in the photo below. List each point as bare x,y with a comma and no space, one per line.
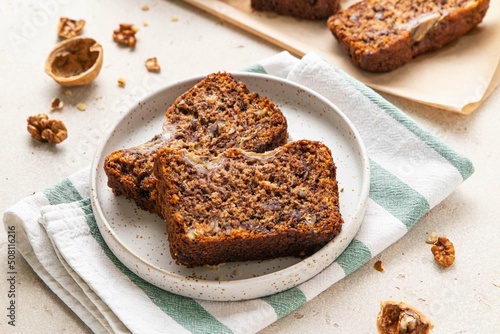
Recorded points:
378,266
125,34
68,28
444,251
152,65
397,317
56,104
46,130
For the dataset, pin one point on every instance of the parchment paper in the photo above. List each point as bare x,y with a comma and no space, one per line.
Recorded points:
458,77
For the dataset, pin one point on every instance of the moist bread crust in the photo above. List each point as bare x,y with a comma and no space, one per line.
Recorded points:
217,113
306,9
247,206
380,36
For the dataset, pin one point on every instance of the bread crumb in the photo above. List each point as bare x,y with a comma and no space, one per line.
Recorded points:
68,92
145,8
121,82
174,18
145,23
56,104
81,106
432,238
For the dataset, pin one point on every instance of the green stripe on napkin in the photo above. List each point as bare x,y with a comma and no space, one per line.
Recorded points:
285,302
355,255
186,311
399,199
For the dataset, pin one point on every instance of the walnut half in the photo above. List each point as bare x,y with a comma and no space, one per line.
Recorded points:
398,317
46,130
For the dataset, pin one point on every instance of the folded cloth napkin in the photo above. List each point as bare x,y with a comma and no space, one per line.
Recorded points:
411,172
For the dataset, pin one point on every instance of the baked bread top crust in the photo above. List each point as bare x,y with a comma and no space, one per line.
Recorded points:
248,206
380,36
217,113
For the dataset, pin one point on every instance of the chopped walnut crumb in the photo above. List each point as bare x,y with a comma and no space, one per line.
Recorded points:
444,252
121,82
125,34
152,65
81,106
145,8
56,104
46,130
378,266
68,28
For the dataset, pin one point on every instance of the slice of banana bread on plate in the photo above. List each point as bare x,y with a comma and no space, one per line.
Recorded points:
244,206
217,113
380,36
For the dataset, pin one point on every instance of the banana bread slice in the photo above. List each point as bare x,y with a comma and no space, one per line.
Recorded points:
244,206
305,9
217,113
380,36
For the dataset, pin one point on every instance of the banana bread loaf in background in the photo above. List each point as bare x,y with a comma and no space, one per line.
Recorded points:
306,9
382,35
217,113
244,206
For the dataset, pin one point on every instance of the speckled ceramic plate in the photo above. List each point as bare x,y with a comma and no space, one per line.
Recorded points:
139,240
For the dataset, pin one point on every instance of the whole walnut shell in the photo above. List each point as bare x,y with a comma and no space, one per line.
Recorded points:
75,62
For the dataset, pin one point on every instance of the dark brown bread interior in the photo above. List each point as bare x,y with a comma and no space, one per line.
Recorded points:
380,36
245,206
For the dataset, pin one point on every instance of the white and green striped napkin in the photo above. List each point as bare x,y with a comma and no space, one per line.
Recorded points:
411,172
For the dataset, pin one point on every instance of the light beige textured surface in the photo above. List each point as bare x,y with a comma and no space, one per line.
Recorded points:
464,298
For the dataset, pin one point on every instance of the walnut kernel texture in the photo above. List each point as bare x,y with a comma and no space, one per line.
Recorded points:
46,130
444,251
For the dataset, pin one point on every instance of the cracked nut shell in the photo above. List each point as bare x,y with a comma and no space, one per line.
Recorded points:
396,317
75,62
